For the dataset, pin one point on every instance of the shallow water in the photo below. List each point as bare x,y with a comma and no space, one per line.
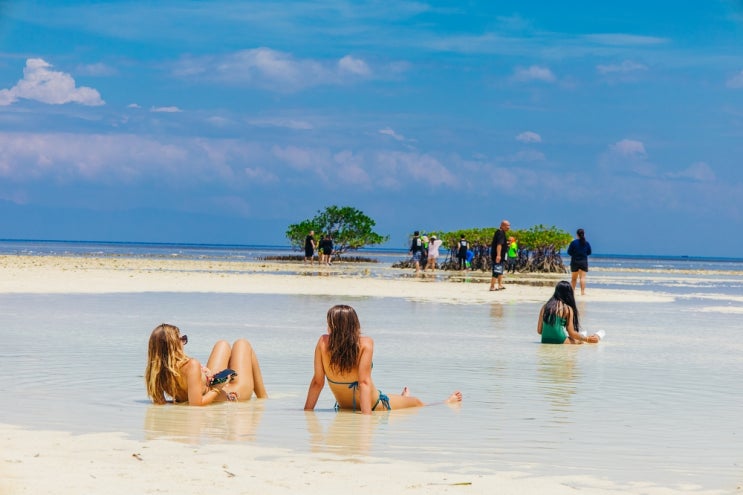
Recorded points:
658,401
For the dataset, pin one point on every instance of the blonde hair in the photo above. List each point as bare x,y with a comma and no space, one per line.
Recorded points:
165,357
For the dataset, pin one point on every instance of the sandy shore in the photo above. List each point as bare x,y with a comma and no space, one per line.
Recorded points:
56,274
58,462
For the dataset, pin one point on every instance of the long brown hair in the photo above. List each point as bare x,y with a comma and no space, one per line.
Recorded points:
345,332
165,357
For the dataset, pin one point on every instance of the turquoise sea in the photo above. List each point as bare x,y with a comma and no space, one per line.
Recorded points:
658,402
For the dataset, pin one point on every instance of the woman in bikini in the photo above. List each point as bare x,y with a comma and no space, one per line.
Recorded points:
172,376
558,320
344,357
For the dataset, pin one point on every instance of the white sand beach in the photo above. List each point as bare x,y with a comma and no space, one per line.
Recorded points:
52,461
58,274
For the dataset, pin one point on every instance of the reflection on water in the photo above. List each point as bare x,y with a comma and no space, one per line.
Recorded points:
557,376
232,421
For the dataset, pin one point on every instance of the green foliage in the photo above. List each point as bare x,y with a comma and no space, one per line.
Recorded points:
537,237
349,228
539,247
542,238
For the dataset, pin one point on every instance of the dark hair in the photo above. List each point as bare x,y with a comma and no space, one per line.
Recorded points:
581,236
343,344
416,232
563,294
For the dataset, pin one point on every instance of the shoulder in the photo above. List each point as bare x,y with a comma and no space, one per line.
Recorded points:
191,366
366,342
566,311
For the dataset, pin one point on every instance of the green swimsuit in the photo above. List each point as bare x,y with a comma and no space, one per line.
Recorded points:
555,333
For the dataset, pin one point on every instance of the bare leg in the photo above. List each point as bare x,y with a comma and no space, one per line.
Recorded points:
573,279
220,357
582,282
405,400
249,378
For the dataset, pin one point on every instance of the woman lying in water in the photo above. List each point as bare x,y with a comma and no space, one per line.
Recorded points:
171,374
558,320
344,356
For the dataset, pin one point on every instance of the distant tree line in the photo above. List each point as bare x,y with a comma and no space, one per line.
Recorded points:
350,229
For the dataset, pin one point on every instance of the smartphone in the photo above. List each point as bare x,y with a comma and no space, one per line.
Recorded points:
222,376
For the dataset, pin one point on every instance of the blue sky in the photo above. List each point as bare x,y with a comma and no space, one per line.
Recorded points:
225,121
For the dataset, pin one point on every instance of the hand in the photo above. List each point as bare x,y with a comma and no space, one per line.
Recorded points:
231,396
592,339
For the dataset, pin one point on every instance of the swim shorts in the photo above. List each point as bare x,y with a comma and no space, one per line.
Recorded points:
497,269
578,265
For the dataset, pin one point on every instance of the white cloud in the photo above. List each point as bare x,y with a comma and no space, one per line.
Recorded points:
260,175
534,73
272,69
529,137
351,169
423,168
391,133
64,156
41,84
736,81
699,172
625,67
133,105
628,148
301,158
354,66
165,110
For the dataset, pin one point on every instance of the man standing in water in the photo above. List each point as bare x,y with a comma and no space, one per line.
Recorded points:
498,250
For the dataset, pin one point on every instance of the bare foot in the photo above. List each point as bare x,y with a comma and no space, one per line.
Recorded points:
455,397
405,392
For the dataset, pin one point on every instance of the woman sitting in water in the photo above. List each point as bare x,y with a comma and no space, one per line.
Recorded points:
344,356
558,319
170,373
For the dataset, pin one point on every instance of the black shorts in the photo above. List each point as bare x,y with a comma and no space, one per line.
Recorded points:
308,253
578,265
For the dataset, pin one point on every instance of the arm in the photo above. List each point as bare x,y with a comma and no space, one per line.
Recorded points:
539,323
575,337
192,370
318,380
365,367
588,249
571,248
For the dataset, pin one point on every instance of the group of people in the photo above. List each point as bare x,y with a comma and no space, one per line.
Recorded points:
504,252
424,251
343,358
324,249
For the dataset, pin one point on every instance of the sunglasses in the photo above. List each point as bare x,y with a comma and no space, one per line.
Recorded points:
184,339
